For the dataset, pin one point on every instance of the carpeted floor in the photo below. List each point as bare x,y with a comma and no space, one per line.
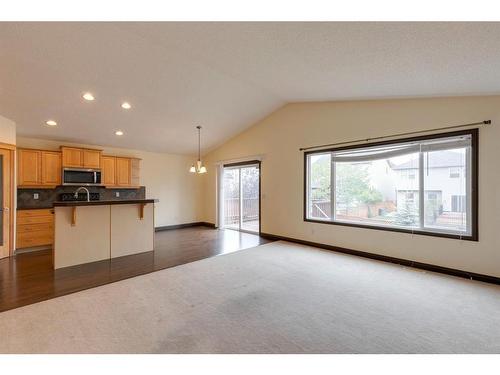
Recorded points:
275,298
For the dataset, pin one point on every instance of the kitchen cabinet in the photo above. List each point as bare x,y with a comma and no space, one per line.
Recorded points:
73,157
43,169
29,167
120,171
38,168
135,172
123,171
35,228
51,168
91,159
108,170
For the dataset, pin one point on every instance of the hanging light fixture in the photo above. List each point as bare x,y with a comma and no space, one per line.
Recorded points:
199,167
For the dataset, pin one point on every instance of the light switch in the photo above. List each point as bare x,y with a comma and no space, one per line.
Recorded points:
35,196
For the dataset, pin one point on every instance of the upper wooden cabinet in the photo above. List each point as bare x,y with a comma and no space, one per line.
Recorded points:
108,164
43,169
92,158
135,172
123,172
29,167
38,168
51,168
73,157
120,171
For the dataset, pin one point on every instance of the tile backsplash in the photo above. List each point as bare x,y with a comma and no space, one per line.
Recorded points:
46,197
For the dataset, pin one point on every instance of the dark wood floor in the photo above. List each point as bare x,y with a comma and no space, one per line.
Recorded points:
28,278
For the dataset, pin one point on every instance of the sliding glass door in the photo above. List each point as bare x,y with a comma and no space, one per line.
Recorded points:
241,189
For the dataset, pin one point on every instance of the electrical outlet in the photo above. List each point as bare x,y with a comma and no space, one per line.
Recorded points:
36,196
117,194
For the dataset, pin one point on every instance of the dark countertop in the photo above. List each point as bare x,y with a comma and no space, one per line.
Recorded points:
102,202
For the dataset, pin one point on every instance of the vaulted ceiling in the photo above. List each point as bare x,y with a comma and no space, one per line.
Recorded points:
223,76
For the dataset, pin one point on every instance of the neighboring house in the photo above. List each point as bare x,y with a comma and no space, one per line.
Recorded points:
444,181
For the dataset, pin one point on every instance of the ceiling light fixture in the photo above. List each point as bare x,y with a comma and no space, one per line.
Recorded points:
88,96
118,132
51,123
126,105
199,167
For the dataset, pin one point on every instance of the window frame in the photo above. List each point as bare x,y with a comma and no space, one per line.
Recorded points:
474,178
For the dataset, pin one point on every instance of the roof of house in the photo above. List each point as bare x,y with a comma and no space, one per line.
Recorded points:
443,159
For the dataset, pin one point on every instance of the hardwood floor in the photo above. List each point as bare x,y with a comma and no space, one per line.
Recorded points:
28,278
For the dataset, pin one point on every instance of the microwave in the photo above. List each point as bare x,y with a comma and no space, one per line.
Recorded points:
81,176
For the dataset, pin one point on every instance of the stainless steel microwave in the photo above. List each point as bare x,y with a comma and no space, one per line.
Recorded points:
81,176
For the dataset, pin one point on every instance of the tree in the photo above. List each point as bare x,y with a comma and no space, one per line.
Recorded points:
353,185
406,215
320,177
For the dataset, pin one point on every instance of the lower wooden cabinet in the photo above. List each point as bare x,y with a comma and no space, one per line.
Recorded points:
35,228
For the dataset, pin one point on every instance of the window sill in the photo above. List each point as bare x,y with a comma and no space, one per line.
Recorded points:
473,237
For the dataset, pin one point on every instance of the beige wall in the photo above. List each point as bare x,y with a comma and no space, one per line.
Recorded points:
7,131
278,138
165,176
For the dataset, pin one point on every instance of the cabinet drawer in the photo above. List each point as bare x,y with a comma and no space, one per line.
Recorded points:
26,228
36,212
32,242
34,238
34,220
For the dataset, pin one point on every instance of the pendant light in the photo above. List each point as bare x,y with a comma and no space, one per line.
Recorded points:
199,167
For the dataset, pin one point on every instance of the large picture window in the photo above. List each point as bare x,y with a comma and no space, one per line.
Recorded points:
422,185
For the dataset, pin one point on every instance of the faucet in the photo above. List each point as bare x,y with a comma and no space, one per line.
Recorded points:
82,188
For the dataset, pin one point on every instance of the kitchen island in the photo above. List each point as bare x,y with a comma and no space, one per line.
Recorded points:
90,231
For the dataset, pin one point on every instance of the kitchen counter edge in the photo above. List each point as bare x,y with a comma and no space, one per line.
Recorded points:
103,203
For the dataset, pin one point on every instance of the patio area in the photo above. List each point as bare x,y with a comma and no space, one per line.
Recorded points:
249,226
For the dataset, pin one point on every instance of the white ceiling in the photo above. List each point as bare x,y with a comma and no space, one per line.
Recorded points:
223,76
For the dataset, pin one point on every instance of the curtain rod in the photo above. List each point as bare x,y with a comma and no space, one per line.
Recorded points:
485,122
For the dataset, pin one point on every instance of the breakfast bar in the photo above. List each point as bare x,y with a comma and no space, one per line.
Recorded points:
90,231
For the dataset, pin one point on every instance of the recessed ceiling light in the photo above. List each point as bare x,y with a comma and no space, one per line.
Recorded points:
118,132
88,96
126,105
51,123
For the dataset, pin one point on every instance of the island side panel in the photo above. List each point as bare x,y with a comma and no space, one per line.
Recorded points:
87,241
129,233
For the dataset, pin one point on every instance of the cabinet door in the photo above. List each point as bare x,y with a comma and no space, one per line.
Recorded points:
91,159
123,171
72,157
135,172
29,166
108,170
51,168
